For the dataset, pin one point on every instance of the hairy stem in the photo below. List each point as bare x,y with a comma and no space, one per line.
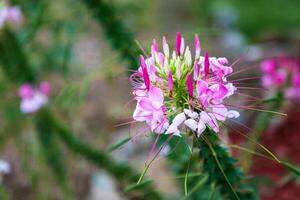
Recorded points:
222,170
119,36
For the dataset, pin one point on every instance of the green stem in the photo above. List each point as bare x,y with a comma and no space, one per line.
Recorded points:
13,61
51,152
221,169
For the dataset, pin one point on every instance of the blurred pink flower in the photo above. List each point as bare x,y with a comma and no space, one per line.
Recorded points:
282,74
10,15
32,99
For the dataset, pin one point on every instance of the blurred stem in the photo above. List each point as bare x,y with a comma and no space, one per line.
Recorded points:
14,64
36,21
123,173
120,37
261,124
3,193
52,153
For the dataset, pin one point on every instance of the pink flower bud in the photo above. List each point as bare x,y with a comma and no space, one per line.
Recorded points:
26,91
145,72
178,43
189,84
268,66
45,88
154,47
296,80
206,64
165,46
197,47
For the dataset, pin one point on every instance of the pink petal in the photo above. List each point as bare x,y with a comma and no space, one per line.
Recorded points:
146,104
155,94
201,87
220,91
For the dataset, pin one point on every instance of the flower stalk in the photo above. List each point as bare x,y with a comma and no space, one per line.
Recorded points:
222,170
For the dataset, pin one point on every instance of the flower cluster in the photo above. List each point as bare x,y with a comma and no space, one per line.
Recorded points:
32,99
282,73
10,15
174,92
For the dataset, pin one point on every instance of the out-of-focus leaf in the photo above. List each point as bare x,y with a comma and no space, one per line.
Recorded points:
119,144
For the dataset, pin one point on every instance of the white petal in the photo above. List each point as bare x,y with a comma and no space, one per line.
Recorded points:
177,133
220,112
188,57
179,119
233,114
210,120
182,46
192,124
173,55
190,113
231,89
173,130
201,127
166,50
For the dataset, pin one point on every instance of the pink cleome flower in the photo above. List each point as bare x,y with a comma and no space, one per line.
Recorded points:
173,91
32,99
10,15
282,73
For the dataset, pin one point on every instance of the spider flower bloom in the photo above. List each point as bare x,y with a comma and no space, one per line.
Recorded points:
174,91
10,15
32,99
282,74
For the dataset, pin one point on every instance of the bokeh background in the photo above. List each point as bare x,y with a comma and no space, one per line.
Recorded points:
81,58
